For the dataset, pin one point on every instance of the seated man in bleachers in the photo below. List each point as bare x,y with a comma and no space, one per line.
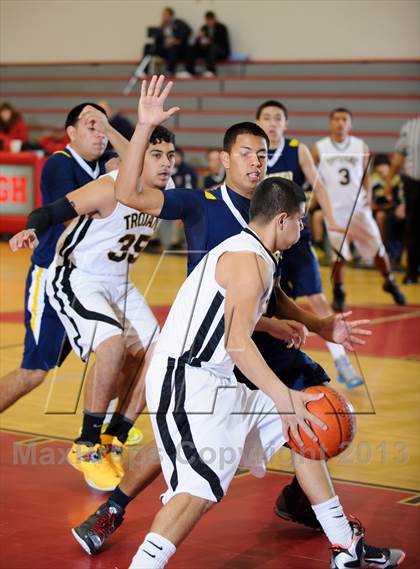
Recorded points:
212,44
171,42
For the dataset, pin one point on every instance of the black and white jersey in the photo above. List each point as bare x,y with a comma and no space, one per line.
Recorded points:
195,327
104,246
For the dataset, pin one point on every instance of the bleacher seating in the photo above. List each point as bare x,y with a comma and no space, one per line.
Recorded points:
383,95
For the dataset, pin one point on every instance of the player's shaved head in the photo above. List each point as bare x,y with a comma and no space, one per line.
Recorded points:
271,103
235,130
275,195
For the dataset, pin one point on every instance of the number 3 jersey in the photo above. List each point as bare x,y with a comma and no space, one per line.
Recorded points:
341,166
104,246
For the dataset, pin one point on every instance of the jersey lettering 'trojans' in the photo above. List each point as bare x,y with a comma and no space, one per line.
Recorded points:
104,246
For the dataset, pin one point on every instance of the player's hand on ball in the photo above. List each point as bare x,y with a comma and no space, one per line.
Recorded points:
152,99
295,415
338,329
25,239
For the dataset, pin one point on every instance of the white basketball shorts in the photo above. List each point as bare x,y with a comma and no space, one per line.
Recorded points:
364,233
94,308
206,426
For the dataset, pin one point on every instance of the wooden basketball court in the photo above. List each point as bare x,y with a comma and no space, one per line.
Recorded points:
377,478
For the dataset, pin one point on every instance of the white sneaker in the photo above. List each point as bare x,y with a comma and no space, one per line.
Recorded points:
183,75
208,74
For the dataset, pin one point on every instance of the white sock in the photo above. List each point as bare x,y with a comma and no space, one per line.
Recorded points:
334,522
336,350
153,553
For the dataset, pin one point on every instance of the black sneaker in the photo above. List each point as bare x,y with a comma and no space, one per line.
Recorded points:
392,288
294,506
93,532
359,554
339,300
409,280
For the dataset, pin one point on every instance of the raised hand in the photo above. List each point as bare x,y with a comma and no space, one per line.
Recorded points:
152,99
295,415
338,329
25,239
94,118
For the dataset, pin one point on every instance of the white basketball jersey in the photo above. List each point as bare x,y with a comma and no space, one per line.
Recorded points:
341,167
104,246
195,327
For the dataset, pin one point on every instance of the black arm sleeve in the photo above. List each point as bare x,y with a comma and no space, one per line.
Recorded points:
43,218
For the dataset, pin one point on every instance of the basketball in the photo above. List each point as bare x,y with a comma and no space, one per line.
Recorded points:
338,414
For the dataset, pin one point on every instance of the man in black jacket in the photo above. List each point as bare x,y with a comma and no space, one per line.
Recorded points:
170,40
212,43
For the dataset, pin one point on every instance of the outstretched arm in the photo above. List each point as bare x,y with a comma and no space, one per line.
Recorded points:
246,277
95,197
128,188
335,328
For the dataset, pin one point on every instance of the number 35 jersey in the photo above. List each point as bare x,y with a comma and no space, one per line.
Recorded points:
341,167
104,246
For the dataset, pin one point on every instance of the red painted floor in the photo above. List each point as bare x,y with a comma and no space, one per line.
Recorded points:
395,335
43,498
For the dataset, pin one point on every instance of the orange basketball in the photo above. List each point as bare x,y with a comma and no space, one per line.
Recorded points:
338,414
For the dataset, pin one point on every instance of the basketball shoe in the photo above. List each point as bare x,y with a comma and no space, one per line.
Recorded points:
99,473
114,452
361,555
346,373
93,532
293,505
391,286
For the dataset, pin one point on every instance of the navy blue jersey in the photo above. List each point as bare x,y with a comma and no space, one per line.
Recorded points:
287,163
207,219
185,176
61,174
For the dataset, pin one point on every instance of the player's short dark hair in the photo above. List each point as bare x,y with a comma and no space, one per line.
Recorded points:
170,10
275,195
272,103
73,115
341,110
210,15
179,151
242,128
162,134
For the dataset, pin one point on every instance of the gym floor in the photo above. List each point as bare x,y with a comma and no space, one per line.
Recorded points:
377,478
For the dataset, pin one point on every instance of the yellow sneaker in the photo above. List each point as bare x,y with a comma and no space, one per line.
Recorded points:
135,436
99,473
114,453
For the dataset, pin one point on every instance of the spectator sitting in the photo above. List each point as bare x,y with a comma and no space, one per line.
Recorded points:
216,173
55,141
184,175
388,210
212,44
12,126
171,42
